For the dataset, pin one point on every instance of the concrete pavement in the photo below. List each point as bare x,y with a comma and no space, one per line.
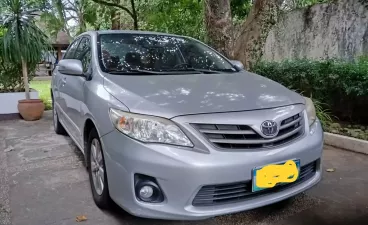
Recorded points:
43,182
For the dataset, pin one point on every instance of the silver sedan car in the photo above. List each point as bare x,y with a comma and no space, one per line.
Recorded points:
171,129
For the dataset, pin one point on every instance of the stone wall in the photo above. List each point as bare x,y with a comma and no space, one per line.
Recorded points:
335,30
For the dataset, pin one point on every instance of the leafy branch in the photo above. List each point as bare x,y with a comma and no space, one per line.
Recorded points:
132,13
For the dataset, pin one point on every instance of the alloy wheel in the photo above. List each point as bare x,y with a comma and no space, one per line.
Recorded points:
97,167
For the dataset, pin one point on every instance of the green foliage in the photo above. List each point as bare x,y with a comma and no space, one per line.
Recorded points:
304,3
10,73
183,17
22,39
240,8
43,89
52,24
323,113
341,85
11,79
97,16
296,4
355,131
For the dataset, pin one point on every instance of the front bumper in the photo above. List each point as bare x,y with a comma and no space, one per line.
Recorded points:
181,173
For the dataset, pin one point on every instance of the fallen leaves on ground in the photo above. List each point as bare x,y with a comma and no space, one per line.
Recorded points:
8,149
330,170
81,218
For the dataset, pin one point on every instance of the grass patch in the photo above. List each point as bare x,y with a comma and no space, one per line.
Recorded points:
43,88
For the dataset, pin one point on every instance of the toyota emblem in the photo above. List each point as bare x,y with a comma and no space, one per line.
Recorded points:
269,128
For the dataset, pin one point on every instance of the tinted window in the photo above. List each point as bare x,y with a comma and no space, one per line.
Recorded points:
86,61
83,47
72,48
83,53
124,52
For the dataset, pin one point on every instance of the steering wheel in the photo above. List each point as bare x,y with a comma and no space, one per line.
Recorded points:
186,65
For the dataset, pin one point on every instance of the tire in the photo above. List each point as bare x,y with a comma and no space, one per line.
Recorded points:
96,162
58,127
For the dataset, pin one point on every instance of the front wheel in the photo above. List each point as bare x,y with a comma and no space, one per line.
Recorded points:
97,171
58,127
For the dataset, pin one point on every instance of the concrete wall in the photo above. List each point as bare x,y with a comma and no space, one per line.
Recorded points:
332,30
10,101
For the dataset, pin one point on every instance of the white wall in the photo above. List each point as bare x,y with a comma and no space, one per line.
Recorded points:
9,101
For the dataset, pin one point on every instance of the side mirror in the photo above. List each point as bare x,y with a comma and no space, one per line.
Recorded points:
71,67
237,64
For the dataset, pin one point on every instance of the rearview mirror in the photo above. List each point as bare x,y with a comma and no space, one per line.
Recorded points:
71,67
237,64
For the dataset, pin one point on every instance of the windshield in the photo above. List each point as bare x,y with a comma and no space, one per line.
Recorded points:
157,53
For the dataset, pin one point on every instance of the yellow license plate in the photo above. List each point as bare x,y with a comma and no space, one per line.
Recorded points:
275,174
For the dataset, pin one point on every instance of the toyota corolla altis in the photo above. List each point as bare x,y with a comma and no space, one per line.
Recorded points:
171,129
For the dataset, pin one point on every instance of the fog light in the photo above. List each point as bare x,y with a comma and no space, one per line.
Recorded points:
147,189
146,192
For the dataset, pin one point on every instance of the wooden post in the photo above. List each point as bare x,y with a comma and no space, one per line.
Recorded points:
59,54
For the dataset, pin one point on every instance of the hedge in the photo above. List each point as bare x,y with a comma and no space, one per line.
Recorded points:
342,86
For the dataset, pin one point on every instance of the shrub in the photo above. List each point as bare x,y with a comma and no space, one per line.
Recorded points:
11,79
343,86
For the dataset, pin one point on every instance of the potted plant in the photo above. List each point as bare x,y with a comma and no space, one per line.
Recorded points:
23,43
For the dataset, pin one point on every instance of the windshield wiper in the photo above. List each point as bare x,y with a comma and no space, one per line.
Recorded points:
195,70
134,71
226,70
145,72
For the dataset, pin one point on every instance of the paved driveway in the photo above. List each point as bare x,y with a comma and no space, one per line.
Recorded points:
43,182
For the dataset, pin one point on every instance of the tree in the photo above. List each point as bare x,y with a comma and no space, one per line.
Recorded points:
245,42
218,22
249,45
132,12
240,8
182,17
23,41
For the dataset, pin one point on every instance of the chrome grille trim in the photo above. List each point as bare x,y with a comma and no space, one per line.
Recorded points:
233,136
227,131
290,124
265,141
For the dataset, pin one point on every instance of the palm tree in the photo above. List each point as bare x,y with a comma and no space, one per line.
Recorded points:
23,41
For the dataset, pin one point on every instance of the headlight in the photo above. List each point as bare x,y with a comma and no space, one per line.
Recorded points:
148,128
311,111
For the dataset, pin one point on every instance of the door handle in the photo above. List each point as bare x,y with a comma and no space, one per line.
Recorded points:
63,82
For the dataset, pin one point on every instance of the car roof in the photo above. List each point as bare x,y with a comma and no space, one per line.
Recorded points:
129,32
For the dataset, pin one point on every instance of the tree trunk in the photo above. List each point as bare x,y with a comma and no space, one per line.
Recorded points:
219,25
82,24
248,47
134,15
25,78
115,19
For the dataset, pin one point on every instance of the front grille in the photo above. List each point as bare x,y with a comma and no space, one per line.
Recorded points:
229,193
244,137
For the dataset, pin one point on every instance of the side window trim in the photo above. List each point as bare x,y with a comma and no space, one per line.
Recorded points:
88,71
81,39
70,46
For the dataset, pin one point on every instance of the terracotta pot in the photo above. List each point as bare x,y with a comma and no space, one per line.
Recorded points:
31,109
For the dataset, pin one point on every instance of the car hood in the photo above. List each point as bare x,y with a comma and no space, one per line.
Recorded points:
174,95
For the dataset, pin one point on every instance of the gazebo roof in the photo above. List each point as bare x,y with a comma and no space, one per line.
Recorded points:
62,40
